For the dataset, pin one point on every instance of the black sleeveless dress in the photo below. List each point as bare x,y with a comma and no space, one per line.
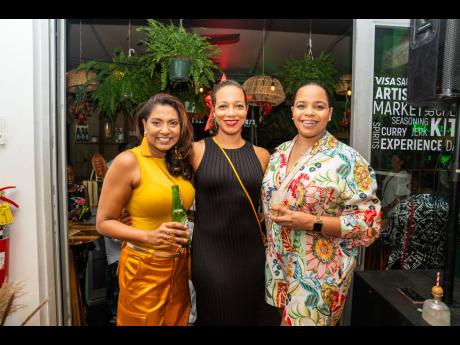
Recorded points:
227,252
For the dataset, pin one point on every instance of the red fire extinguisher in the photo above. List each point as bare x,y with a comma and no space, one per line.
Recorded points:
5,219
4,251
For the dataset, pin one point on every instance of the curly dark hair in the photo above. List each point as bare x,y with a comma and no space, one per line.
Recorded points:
179,157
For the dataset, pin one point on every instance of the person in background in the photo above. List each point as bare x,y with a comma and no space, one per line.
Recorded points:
319,200
112,252
395,185
152,269
416,230
77,198
191,224
227,249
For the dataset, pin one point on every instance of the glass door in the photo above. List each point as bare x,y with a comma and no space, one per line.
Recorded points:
409,148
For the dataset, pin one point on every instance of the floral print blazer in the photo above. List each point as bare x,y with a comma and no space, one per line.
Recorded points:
334,180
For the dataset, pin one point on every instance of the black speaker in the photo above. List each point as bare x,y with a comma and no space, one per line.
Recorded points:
433,76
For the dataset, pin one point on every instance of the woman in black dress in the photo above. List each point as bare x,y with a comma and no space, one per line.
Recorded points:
227,252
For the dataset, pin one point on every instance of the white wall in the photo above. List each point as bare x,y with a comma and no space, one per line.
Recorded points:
24,161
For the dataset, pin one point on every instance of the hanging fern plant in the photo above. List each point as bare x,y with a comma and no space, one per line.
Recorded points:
164,42
123,84
297,72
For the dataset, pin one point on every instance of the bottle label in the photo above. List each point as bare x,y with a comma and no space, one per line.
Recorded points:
180,216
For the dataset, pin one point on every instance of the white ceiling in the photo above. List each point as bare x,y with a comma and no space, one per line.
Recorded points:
244,58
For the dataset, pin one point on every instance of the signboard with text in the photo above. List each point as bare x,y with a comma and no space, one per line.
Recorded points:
424,136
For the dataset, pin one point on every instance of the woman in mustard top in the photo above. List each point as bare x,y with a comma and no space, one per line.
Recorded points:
152,269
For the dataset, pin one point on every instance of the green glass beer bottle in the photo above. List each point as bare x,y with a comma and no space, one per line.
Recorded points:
178,213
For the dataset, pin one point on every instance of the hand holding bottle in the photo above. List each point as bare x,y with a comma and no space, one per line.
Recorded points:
178,214
170,233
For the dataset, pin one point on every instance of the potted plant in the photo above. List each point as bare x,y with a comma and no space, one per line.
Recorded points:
296,72
166,43
122,84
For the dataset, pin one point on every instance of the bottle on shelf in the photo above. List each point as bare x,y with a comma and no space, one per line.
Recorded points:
85,134
435,311
120,135
178,213
78,136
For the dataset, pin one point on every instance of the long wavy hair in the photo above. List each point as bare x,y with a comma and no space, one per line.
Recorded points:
179,157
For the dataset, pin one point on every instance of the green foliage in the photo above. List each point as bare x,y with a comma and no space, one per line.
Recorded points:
123,84
296,72
185,93
279,127
276,128
164,42
334,126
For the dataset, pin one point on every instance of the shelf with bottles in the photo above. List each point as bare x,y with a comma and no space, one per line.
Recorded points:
82,134
114,138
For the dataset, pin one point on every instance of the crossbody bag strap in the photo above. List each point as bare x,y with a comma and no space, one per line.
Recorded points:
264,238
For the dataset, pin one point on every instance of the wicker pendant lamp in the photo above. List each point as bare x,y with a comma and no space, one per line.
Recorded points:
264,89
76,78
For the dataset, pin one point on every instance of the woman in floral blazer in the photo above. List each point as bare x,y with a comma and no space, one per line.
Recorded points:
320,204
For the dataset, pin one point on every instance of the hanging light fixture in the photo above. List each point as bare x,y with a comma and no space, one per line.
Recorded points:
262,90
80,78
343,87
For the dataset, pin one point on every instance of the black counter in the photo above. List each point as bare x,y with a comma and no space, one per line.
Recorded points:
376,300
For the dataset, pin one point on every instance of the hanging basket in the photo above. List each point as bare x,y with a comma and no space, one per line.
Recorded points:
76,78
179,69
264,89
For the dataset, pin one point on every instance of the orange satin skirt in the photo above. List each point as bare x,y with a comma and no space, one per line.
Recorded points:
153,290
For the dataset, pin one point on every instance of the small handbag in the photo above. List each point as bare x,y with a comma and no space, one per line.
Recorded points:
93,190
262,235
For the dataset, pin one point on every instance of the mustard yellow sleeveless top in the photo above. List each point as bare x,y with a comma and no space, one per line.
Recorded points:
151,201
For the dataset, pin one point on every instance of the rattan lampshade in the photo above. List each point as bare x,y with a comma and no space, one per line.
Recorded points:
264,89
343,85
76,77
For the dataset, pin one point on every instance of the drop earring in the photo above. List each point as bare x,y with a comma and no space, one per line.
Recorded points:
145,133
177,154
